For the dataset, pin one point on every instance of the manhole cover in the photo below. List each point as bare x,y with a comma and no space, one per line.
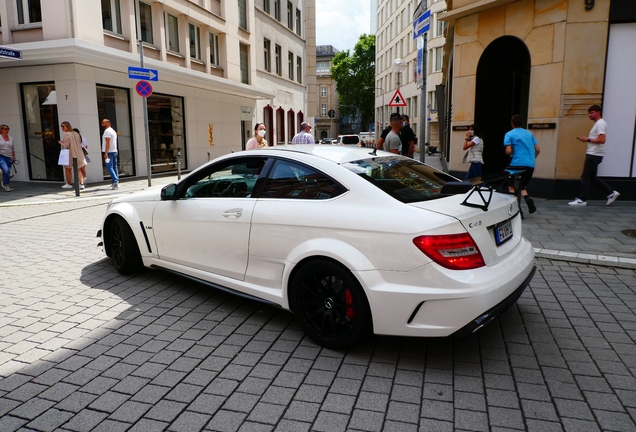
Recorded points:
630,233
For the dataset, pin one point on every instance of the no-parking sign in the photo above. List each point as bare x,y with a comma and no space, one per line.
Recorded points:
143,88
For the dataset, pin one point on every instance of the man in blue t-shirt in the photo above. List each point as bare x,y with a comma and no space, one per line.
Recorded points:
523,147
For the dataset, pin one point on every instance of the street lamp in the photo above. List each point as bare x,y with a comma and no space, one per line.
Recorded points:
398,66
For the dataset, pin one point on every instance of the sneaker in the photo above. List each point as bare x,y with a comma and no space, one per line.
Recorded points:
116,185
82,186
612,197
577,203
67,186
531,207
8,188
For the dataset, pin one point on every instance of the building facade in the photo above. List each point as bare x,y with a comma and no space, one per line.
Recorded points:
328,113
211,89
548,60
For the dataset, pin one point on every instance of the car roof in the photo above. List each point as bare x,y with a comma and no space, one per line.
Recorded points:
336,154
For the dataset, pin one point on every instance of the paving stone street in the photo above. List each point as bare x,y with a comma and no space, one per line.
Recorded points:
83,348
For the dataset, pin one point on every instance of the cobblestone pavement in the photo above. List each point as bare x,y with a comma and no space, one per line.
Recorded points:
84,348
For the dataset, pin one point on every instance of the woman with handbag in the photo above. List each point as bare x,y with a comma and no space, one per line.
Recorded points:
474,146
7,156
73,143
84,143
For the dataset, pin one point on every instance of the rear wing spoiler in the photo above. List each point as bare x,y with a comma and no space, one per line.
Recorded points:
480,189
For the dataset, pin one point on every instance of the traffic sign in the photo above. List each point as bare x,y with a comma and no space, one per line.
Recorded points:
144,89
331,113
397,100
143,73
422,24
12,53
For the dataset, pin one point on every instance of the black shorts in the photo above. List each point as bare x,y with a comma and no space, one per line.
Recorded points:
525,176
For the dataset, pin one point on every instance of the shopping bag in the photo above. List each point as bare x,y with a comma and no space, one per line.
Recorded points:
64,157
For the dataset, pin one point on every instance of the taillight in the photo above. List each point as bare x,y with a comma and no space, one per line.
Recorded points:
453,251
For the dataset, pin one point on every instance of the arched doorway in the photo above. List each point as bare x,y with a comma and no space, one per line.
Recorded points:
502,89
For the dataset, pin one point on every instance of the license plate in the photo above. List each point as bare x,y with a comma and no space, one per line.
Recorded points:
503,232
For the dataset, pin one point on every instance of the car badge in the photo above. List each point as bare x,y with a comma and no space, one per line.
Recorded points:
510,211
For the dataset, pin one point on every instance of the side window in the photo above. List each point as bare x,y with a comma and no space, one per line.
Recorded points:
230,179
289,179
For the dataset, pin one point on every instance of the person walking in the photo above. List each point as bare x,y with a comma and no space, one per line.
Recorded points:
258,140
593,157
109,148
474,146
393,143
73,143
84,144
7,157
522,145
303,137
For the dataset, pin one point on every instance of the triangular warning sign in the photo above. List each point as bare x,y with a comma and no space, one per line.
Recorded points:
397,100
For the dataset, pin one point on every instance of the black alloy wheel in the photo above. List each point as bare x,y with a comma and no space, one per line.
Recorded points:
330,304
124,248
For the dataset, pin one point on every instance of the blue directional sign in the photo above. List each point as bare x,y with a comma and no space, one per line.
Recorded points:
143,74
12,53
422,24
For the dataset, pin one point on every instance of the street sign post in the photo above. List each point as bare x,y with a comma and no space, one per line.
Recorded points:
10,53
143,73
421,26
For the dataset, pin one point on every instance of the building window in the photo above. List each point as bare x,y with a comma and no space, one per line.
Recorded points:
277,9
323,109
432,102
323,91
143,18
441,25
214,50
298,22
323,66
266,6
439,57
111,16
195,41
242,9
279,61
290,17
244,56
172,32
114,104
166,133
290,65
267,55
29,12
299,70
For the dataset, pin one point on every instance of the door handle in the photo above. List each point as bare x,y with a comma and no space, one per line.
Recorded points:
233,214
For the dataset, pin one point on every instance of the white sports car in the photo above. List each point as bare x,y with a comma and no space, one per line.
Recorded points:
352,242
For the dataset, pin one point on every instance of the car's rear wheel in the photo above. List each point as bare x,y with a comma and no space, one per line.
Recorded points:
124,248
330,304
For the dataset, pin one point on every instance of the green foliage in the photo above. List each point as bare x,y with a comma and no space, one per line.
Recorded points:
355,79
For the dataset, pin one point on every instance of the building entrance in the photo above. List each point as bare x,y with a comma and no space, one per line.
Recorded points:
502,89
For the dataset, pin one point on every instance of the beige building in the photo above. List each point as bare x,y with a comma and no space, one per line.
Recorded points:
326,126
214,81
548,60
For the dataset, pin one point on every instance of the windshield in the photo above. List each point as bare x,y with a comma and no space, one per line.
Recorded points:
350,139
403,178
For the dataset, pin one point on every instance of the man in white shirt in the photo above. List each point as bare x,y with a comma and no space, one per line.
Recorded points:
109,148
594,156
303,137
393,143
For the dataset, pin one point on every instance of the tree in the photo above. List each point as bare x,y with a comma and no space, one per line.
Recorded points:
355,80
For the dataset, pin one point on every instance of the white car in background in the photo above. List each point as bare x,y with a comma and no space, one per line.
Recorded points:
351,241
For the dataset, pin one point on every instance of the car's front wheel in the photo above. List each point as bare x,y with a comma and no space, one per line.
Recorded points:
330,304
124,248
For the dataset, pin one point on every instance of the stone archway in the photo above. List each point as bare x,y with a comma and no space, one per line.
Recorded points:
502,90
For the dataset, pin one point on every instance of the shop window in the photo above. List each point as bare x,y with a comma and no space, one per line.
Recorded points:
172,32
29,12
166,132
214,50
244,63
195,41
280,126
291,126
42,131
111,16
143,18
114,104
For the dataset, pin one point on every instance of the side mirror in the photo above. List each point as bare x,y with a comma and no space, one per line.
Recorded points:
169,192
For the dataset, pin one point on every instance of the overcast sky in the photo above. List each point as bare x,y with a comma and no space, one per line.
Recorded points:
341,22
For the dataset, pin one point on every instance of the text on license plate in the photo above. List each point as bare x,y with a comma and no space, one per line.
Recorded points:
503,232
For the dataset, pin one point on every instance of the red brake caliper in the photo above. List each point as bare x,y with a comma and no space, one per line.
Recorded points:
349,301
